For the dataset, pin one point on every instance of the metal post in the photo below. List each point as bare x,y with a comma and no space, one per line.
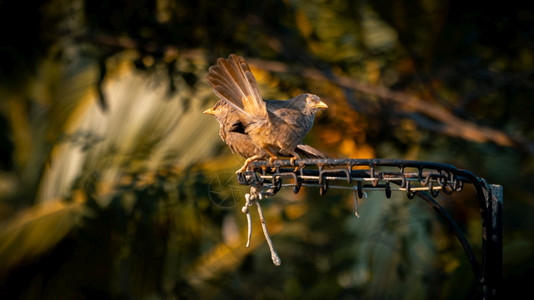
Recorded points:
493,243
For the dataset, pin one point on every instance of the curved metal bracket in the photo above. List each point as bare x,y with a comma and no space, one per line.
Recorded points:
424,179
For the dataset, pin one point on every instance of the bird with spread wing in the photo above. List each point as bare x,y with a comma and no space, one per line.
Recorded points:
279,128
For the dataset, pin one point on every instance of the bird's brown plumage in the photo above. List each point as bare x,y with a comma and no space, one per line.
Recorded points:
278,130
233,134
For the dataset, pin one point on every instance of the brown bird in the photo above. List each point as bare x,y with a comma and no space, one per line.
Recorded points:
233,133
277,130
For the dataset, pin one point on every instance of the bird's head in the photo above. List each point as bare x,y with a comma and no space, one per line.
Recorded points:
311,103
217,110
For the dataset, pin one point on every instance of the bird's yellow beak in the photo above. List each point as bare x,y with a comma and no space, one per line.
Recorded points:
209,111
320,104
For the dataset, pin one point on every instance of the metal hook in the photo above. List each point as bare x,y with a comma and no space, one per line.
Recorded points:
360,192
433,192
323,188
377,179
409,193
355,196
442,178
388,190
298,184
403,177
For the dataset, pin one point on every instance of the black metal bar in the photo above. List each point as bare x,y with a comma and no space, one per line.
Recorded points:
491,273
355,162
448,177
495,276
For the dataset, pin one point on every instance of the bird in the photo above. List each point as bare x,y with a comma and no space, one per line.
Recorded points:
278,128
233,134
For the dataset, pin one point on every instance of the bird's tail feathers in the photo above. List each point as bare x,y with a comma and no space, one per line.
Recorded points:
306,151
233,81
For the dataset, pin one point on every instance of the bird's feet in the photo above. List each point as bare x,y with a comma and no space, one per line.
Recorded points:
242,169
271,162
272,159
292,161
247,162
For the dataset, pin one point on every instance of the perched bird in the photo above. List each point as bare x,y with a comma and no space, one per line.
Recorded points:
276,129
233,133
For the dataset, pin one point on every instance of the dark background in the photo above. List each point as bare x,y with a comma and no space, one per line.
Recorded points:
114,185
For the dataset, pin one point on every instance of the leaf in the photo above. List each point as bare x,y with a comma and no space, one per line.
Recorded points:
35,230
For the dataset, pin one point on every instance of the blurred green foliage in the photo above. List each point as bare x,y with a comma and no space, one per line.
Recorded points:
114,185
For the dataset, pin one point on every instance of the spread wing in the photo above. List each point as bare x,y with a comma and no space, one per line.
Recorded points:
232,80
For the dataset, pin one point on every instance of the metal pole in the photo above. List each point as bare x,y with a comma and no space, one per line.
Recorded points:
493,243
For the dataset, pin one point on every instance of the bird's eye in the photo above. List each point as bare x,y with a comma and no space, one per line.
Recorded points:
309,101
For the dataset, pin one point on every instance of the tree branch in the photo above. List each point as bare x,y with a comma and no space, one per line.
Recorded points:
450,124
